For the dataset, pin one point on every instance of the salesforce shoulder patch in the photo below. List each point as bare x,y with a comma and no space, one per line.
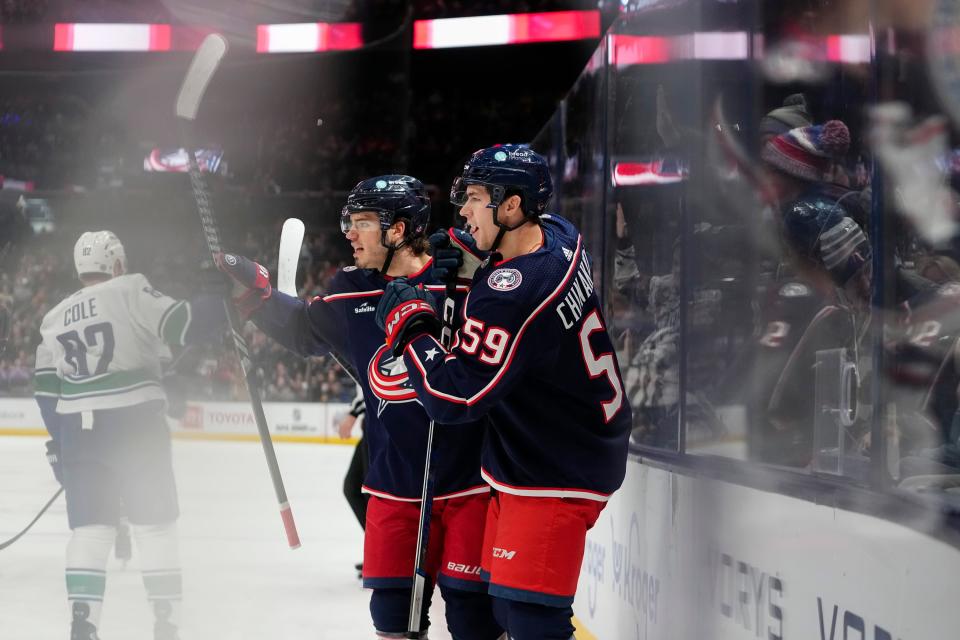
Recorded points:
505,279
350,268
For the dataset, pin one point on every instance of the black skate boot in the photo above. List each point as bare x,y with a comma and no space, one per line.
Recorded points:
81,628
122,548
163,629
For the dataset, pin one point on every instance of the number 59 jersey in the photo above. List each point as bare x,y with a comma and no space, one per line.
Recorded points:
101,346
533,354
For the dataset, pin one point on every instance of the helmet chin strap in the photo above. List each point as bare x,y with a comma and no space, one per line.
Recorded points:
503,228
391,249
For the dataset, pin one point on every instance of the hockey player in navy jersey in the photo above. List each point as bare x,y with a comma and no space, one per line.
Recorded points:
532,354
97,381
385,220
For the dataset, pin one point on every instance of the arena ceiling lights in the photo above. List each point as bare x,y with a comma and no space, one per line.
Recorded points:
111,37
520,28
626,50
310,36
271,38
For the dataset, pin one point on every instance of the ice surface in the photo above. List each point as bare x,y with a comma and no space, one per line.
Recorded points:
241,582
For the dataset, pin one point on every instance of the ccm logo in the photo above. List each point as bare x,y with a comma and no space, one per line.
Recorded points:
405,310
503,553
469,569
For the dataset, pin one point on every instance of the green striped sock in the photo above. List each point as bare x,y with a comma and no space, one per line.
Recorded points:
163,584
87,585
164,590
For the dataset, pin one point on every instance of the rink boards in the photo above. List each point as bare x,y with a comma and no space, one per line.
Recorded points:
289,421
685,557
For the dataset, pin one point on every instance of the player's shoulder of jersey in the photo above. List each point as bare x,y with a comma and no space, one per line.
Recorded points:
125,282
351,283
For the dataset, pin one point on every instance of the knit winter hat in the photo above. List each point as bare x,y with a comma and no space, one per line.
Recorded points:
822,233
791,115
807,152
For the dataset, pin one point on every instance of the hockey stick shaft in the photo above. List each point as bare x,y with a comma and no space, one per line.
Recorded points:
420,575
201,71
4,545
252,377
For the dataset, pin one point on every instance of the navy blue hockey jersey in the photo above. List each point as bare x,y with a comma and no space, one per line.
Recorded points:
343,321
533,354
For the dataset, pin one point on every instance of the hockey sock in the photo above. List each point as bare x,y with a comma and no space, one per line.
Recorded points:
86,572
160,563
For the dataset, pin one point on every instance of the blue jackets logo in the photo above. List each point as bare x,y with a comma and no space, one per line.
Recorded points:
389,379
504,279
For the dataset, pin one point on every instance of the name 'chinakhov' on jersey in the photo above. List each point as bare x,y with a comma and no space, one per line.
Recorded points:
343,322
533,354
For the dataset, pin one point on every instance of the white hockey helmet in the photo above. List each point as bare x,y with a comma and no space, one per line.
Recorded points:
97,252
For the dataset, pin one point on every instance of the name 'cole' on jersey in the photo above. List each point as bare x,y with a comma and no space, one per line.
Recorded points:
344,322
534,355
101,346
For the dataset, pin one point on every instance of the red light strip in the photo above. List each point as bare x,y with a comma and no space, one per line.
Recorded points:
309,36
521,28
74,36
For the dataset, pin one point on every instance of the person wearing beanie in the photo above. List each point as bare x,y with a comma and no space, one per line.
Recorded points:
807,153
791,115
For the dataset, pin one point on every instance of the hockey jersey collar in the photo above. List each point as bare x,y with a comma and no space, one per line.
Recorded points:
424,271
546,244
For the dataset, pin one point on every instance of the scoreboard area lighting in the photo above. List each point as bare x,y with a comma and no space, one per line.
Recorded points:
111,37
520,28
309,36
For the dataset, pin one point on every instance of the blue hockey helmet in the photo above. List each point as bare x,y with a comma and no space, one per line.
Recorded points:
393,198
505,170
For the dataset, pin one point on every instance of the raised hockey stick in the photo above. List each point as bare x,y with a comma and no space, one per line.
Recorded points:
426,496
291,239
4,545
204,64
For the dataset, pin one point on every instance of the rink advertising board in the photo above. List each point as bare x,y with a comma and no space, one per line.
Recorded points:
289,421
675,556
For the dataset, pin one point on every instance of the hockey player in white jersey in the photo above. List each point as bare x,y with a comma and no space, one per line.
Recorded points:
97,382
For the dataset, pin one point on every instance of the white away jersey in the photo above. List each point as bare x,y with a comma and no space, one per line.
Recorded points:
102,346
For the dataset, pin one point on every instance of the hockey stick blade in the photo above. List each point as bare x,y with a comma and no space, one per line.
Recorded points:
291,239
23,532
204,64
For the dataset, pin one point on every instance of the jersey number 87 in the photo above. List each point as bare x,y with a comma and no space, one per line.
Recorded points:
75,349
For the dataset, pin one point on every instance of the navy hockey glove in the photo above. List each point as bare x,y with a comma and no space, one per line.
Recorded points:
53,457
455,256
406,312
251,282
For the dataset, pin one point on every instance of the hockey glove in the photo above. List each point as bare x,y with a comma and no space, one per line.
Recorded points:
251,282
455,256
53,457
406,312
